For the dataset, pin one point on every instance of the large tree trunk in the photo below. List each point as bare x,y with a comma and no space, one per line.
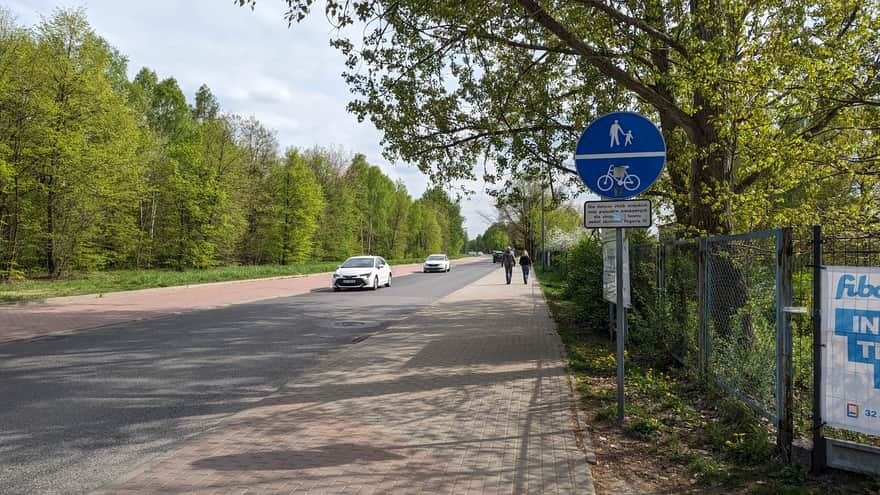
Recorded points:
712,168
709,194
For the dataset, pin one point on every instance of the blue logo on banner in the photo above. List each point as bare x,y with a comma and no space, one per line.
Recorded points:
861,328
847,286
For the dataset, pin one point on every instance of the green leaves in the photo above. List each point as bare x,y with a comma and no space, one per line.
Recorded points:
99,172
758,100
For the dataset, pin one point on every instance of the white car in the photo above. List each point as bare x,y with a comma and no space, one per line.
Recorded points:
437,263
362,271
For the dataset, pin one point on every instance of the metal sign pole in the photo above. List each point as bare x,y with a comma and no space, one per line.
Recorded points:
621,323
618,156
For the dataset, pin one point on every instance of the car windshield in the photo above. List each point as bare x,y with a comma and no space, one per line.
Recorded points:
358,263
435,258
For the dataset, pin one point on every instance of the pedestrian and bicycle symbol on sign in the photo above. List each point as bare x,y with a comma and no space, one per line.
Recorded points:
631,161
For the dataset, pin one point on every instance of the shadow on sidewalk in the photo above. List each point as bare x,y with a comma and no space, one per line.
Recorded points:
443,403
335,454
142,386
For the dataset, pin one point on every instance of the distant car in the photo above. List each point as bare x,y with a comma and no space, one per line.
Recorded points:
359,272
479,253
437,263
496,256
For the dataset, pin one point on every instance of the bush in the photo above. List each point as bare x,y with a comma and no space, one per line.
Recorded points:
583,283
647,338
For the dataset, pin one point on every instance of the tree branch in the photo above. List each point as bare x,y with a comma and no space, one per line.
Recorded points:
474,137
607,67
636,23
528,46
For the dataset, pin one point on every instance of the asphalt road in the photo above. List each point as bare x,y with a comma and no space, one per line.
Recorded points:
78,411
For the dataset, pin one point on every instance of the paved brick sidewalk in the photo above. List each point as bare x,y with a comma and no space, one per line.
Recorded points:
467,396
64,314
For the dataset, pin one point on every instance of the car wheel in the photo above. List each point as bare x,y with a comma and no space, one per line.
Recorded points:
388,283
376,283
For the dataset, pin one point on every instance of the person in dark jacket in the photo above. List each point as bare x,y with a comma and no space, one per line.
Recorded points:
525,264
508,261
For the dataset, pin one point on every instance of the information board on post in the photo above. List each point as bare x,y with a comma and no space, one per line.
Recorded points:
611,214
851,348
609,265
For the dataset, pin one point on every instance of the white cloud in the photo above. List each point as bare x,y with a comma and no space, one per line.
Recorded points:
287,78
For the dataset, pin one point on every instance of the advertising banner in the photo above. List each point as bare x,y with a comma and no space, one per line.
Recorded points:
851,348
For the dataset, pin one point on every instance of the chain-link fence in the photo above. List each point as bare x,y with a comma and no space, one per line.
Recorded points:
742,310
802,335
738,309
678,283
723,300
744,343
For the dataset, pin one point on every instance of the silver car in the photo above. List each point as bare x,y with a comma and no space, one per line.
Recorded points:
437,263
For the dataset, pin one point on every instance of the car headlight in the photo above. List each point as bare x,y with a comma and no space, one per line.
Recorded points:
336,275
365,274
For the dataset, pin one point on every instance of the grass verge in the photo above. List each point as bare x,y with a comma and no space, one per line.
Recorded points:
680,435
122,280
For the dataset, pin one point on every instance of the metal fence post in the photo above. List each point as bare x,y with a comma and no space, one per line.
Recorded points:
785,384
819,454
660,260
703,304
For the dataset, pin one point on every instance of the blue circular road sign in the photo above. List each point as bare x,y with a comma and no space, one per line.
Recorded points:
619,155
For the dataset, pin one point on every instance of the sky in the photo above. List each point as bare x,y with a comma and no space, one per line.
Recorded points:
287,78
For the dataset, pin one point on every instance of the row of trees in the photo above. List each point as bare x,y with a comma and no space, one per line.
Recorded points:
527,215
99,171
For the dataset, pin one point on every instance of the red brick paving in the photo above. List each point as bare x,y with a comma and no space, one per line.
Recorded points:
64,314
469,396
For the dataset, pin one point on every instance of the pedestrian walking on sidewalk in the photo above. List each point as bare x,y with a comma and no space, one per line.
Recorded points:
525,263
508,261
